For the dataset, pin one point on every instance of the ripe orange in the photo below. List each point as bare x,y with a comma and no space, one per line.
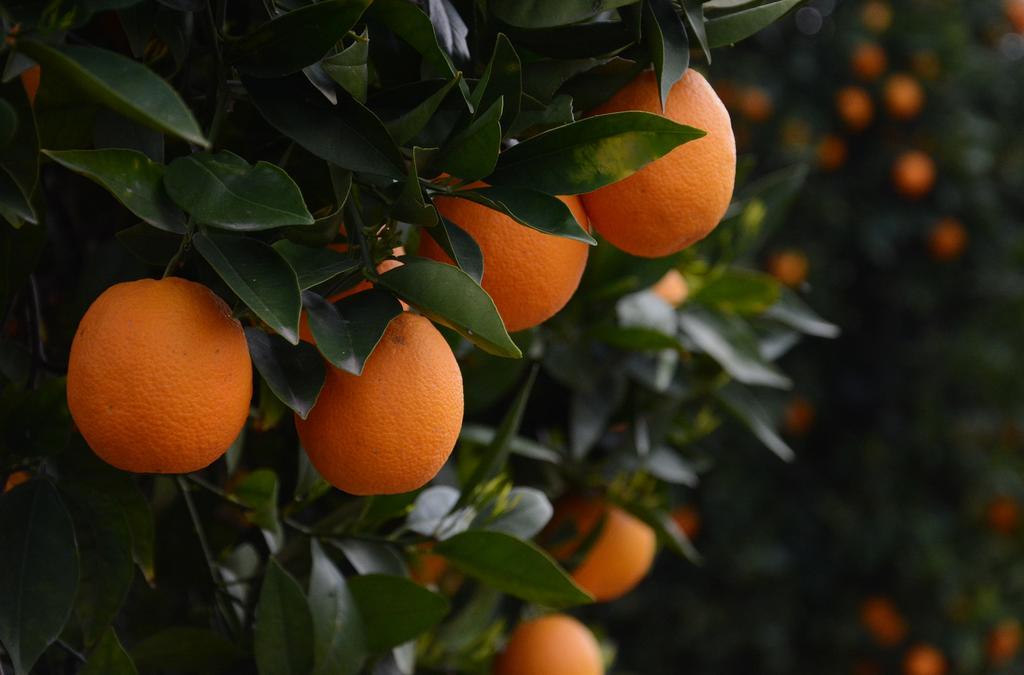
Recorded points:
678,199
672,288
789,267
429,569
947,240
391,429
855,107
619,558
798,417
868,61
530,275
30,80
556,644
756,104
1003,515
876,16
883,621
913,174
15,479
924,660
688,520
1004,642
831,152
904,96
159,377
1015,13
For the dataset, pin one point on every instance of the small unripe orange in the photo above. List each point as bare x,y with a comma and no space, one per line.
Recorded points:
947,240
789,267
904,97
913,174
868,61
855,107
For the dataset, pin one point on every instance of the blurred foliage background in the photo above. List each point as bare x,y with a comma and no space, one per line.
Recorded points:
907,427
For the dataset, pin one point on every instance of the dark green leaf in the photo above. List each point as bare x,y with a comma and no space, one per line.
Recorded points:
15,207
132,177
450,296
513,566
667,530
544,77
531,208
731,28
731,342
206,653
108,657
293,40
347,332
348,67
460,247
670,48
284,626
522,513
694,11
122,84
8,123
19,252
258,492
339,642
150,245
635,338
794,312
473,152
315,265
259,276
411,207
595,86
394,609
294,373
38,571
223,190
591,153
406,126
19,160
347,135
373,557
535,118
503,79
544,13
739,291
748,410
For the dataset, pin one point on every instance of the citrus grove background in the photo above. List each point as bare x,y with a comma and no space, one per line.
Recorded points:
266,265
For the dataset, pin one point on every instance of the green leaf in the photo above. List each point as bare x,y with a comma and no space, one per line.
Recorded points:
121,84
258,275
258,492
38,571
284,626
473,152
207,651
19,161
108,657
513,566
545,14
460,247
635,338
794,312
406,126
394,609
295,39
449,296
694,11
731,28
669,45
348,67
294,373
224,190
339,641
591,153
531,208
522,514
315,265
347,332
8,123
502,79
411,207
742,405
374,557
133,178
739,291
150,245
731,342
346,135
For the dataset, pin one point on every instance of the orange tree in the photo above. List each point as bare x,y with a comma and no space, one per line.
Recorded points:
261,265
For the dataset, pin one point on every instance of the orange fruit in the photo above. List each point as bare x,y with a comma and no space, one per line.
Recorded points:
855,107
947,240
621,554
831,152
904,96
868,61
798,417
427,568
913,174
672,288
680,198
1015,14
556,644
30,79
159,377
1002,515
1003,643
756,104
530,275
15,479
688,520
924,660
391,429
789,267
883,621
876,16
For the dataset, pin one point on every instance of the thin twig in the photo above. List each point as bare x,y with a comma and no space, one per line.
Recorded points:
35,327
210,487
71,650
174,262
